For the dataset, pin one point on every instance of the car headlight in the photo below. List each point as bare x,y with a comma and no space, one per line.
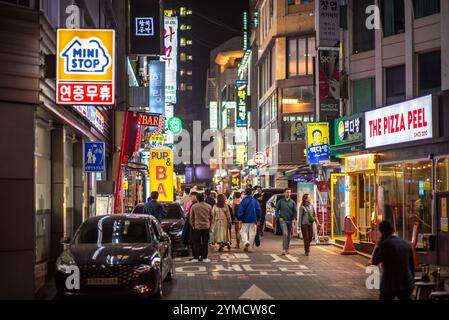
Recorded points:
65,262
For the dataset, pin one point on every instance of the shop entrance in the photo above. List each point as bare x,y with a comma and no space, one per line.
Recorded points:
354,194
442,228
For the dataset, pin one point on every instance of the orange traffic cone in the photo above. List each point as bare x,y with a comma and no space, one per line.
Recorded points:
349,247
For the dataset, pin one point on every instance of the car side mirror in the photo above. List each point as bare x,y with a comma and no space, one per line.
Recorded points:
65,240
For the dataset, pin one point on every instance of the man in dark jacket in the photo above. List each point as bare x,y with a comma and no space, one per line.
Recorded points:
155,208
396,257
286,213
209,198
249,214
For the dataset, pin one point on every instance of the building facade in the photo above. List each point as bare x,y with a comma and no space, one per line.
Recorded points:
45,190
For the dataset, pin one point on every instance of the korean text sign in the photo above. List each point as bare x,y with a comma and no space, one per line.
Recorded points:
349,129
403,122
94,157
85,66
161,173
317,142
171,54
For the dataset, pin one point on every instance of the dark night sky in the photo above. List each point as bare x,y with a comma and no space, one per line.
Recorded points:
208,35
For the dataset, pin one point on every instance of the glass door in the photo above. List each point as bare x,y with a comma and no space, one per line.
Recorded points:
340,203
367,210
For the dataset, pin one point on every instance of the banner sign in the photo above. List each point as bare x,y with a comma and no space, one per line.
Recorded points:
170,57
161,174
403,122
93,115
157,87
317,142
329,84
145,27
349,129
94,156
157,141
242,87
85,66
213,115
328,24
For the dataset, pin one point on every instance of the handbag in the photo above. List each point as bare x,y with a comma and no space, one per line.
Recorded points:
257,238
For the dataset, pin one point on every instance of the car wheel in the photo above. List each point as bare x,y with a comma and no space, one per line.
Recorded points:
158,294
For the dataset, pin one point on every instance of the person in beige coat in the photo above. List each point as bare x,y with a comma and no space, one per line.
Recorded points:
222,221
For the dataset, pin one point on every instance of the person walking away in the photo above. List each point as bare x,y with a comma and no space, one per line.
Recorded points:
201,220
286,214
307,217
155,208
185,198
396,257
235,209
249,214
209,198
222,220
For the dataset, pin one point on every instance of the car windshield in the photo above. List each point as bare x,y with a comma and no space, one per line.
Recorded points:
113,231
174,211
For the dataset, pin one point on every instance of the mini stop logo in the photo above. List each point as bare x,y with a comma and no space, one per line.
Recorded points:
86,56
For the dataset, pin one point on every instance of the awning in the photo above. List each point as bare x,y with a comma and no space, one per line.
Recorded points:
297,171
348,148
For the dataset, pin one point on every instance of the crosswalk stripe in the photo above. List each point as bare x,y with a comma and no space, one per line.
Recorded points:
326,250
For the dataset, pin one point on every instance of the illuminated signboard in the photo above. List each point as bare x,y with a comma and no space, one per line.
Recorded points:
170,57
349,129
157,86
403,122
241,86
145,27
161,174
213,115
92,115
260,158
175,125
317,142
155,122
85,66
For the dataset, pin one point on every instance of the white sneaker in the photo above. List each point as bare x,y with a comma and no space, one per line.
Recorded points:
195,260
206,260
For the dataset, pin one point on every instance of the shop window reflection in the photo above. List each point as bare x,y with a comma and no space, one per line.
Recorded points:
390,195
442,177
418,197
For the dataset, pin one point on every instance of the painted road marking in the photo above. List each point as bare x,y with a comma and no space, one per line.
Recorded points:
360,265
255,293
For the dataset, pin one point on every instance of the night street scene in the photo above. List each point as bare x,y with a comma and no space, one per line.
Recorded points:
267,154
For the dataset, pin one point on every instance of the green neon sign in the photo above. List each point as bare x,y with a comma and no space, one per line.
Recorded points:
175,125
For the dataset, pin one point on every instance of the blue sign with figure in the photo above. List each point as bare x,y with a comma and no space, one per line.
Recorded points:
94,157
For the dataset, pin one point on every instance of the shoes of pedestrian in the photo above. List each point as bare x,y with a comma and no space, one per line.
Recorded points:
283,253
206,260
229,247
194,260
191,259
246,247
221,249
200,260
287,252
307,253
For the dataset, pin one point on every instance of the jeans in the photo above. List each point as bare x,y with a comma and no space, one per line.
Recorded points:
248,233
307,235
200,243
286,227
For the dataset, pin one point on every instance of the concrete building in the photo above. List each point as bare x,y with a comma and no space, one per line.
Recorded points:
284,48
45,192
221,102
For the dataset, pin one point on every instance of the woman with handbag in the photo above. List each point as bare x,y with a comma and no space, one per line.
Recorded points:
307,217
222,220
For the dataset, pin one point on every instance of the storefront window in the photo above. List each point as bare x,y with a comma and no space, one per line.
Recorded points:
418,203
390,195
442,176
